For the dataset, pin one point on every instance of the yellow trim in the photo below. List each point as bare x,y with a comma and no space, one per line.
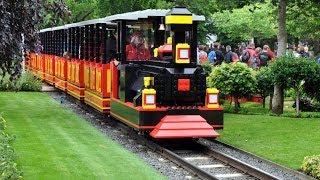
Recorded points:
123,119
96,105
179,19
98,97
212,90
74,94
108,81
76,86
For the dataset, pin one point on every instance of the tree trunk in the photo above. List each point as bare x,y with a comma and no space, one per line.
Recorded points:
270,101
297,101
236,104
277,102
263,101
282,33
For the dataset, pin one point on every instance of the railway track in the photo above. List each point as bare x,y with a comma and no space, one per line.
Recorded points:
208,163
196,157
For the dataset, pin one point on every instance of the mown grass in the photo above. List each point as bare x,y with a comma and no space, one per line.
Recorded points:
54,143
283,140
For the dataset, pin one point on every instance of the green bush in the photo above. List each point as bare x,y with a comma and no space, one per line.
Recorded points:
8,168
6,84
311,166
27,82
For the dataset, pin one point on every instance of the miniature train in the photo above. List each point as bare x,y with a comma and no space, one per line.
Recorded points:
157,89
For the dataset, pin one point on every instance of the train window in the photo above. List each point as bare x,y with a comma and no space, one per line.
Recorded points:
140,41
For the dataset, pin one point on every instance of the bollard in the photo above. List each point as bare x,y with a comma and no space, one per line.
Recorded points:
62,99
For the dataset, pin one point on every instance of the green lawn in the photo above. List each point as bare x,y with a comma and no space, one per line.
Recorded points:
283,140
54,143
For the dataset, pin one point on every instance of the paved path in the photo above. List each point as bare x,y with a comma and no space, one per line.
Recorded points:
46,87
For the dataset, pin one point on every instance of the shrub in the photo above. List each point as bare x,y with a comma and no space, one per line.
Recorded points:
8,168
6,84
311,166
306,105
29,82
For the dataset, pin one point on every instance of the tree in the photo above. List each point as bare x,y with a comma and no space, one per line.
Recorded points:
20,20
293,73
241,24
236,80
264,83
17,17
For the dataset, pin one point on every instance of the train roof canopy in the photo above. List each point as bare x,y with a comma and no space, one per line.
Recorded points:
131,16
146,14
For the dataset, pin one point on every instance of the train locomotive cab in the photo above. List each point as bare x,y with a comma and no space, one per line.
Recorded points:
161,89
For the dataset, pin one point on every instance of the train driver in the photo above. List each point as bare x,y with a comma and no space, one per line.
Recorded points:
137,50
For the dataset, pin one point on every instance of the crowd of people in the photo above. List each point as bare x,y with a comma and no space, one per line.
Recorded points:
254,57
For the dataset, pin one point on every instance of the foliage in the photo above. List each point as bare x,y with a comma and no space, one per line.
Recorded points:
18,31
312,84
293,73
264,83
27,82
8,169
235,79
243,24
306,104
311,166
207,67
17,17
303,19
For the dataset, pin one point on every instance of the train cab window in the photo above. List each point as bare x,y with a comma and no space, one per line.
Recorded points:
139,42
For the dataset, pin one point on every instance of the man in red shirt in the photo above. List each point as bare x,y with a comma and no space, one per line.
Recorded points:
136,50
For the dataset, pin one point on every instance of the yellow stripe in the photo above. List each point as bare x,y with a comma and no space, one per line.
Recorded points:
75,86
93,94
108,80
96,105
124,120
75,95
175,19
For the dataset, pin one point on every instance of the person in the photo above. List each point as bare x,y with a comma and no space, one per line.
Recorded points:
202,54
264,56
289,52
219,54
251,50
254,62
271,54
136,50
229,55
111,48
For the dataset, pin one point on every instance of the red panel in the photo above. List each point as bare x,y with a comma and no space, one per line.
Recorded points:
183,84
115,81
183,126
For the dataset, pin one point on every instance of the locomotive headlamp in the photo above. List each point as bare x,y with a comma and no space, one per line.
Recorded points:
148,99
148,94
212,98
182,53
